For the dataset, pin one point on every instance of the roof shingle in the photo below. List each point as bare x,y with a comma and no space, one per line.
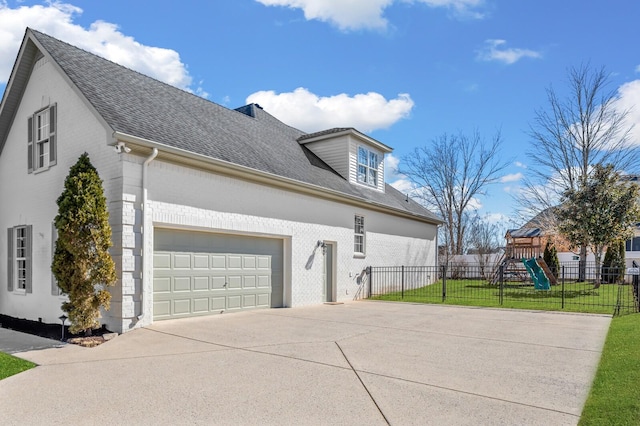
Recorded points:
141,106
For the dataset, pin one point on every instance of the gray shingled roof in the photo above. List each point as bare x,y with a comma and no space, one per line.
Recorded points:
141,106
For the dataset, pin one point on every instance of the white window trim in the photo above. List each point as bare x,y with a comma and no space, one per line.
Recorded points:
14,279
368,169
42,146
362,235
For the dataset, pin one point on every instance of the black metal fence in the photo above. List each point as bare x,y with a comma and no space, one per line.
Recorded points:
509,287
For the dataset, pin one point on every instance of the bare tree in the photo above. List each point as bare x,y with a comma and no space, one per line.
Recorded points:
449,173
570,136
483,237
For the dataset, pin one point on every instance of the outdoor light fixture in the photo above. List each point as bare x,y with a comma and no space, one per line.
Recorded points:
323,245
62,318
120,147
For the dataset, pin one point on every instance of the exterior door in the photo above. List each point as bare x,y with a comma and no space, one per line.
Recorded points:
329,285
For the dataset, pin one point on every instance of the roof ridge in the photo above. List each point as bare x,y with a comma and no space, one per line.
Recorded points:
41,34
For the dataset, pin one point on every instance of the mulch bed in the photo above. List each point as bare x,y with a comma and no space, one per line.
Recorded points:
52,331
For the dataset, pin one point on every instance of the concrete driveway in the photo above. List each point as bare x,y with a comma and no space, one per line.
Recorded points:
363,363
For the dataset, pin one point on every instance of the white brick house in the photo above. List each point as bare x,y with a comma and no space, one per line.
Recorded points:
212,210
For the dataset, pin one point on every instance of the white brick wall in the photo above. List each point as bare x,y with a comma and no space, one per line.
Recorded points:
185,198
30,199
179,197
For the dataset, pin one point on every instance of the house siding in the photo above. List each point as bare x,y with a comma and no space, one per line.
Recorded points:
31,198
334,152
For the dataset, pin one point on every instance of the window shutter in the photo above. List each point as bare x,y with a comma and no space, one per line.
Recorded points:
29,283
10,259
52,135
55,290
30,145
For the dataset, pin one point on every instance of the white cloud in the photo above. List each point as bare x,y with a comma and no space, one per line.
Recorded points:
310,112
514,177
101,38
405,186
391,163
629,100
365,14
519,164
494,50
474,204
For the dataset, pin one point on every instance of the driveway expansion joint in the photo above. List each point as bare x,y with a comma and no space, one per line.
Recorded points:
363,384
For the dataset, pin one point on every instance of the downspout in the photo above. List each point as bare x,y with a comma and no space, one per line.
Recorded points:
145,249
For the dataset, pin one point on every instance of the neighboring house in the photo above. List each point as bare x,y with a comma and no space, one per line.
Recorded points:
530,240
212,210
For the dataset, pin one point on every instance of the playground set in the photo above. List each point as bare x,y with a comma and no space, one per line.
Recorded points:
523,256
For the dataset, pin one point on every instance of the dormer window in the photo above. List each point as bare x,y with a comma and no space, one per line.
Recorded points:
367,166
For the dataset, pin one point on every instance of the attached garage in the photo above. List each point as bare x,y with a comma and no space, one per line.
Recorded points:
199,273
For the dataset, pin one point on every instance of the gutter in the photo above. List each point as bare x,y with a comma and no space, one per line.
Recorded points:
247,173
145,248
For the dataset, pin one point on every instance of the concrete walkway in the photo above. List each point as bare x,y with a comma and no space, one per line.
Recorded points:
361,363
12,342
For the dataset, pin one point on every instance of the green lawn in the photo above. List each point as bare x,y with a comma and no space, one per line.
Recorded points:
614,397
10,365
576,297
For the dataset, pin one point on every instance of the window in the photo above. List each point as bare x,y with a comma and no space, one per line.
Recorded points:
358,232
367,166
19,259
41,138
633,244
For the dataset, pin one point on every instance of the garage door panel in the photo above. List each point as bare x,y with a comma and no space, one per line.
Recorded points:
181,284
200,283
249,281
249,262
218,303
249,301
162,284
234,262
264,262
201,305
264,300
264,281
234,302
161,308
181,307
181,261
197,273
218,261
162,261
234,281
218,283
200,261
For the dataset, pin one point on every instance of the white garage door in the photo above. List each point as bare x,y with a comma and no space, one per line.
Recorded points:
197,273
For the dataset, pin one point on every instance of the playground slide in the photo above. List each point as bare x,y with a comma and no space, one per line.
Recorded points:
540,280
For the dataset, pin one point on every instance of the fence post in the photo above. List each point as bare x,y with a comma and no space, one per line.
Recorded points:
444,282
370,281
501,278
563,287
402,292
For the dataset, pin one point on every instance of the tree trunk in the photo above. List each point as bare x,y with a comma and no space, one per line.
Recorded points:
582,264
598,256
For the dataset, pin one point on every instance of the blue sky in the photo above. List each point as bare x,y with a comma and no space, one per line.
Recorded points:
402,71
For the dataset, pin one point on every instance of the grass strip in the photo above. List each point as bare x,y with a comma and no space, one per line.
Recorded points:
10,365
576,297
615,395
